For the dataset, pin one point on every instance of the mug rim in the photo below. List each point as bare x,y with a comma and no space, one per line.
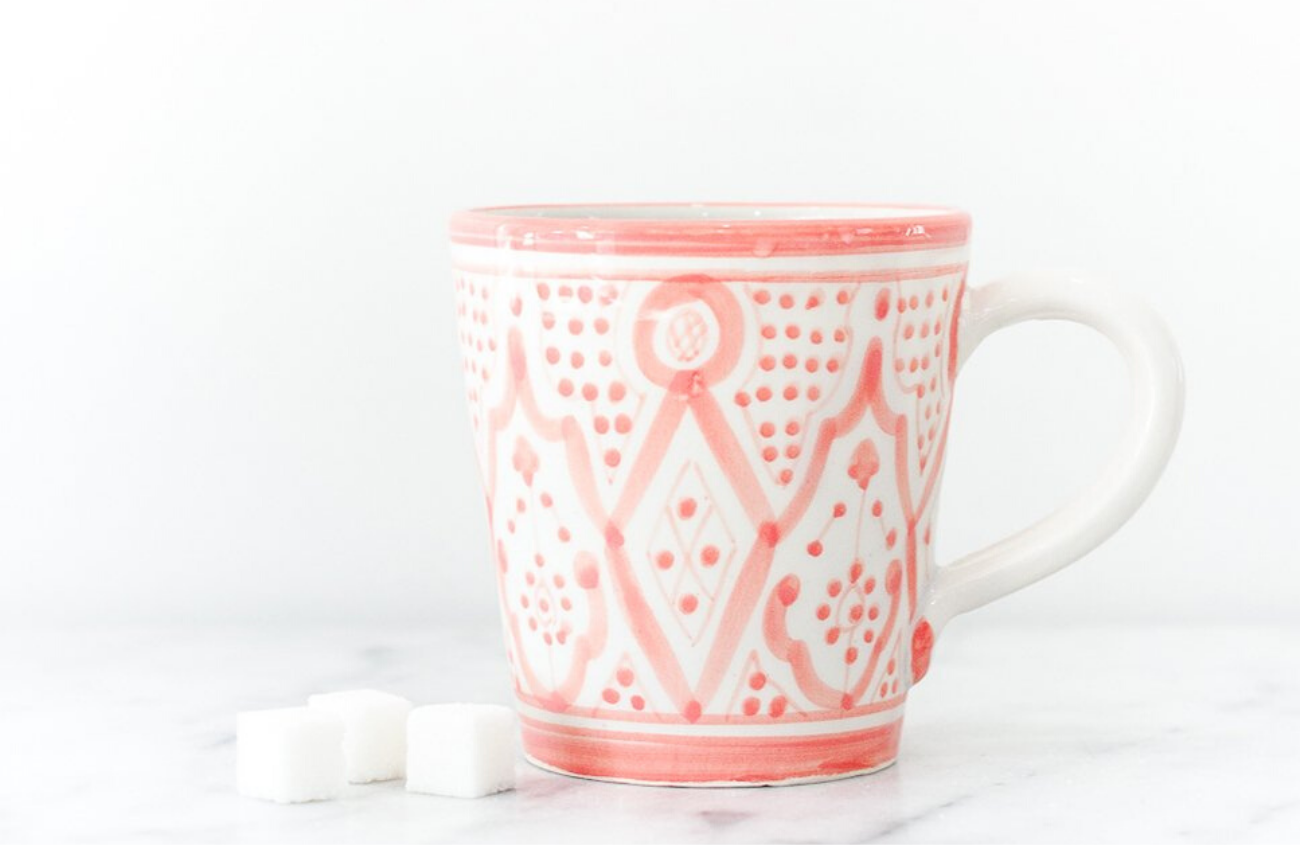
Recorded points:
712,228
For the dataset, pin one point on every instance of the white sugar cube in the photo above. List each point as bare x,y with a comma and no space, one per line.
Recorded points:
289,755
374,732
461,750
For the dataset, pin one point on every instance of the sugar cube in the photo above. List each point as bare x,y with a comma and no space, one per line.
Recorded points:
289,755
461,750
374,732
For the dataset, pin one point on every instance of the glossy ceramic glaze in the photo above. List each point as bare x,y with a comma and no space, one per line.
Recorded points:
711,439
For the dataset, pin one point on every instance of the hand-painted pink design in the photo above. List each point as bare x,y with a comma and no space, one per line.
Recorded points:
758,694
688,333
687,337
874,680
925,337
554,608
866,462
525,461
579,356
478,344
920,356
850,614
922,644
624,691
691,551
860,636
800,361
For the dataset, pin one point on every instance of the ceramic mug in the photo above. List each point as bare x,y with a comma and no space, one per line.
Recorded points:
711,439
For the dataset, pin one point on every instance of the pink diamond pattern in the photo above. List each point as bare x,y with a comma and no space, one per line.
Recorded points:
691,551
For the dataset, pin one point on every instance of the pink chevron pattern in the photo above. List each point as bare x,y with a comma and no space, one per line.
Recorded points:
711,499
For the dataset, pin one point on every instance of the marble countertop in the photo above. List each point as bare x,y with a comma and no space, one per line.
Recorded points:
1017,735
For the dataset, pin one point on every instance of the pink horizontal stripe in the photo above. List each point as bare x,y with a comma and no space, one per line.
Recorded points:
706,759
515,229
846,276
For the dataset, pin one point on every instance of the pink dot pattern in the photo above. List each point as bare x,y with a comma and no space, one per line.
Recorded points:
476,331
920,358
804,337
623,690
579,353
759,696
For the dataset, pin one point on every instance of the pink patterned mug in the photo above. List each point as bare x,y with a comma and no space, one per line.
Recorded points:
711,439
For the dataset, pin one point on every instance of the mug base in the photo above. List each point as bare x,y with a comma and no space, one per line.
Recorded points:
709,761
716,784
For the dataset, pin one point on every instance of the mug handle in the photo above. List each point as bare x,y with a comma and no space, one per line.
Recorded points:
1156,378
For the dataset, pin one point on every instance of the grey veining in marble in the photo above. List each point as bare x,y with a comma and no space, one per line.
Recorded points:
1066,735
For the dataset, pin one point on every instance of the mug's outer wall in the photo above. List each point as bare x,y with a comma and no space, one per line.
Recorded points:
711,485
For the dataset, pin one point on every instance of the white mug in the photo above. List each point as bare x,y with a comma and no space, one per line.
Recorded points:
711,440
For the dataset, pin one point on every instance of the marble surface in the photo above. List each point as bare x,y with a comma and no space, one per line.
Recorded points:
1062,735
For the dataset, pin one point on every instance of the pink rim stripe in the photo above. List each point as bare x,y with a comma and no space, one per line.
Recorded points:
529,228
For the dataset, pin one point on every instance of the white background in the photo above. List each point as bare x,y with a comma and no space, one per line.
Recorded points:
230,385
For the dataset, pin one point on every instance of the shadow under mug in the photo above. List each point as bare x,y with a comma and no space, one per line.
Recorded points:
711,440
